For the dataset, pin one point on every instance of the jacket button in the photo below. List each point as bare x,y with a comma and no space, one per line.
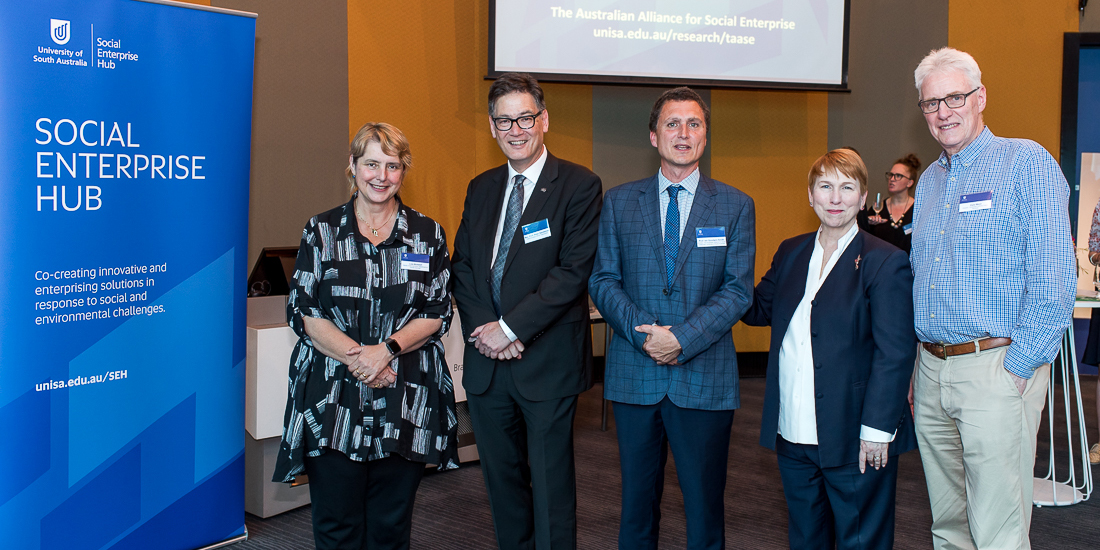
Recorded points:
814,334
819,396
813,302
818,366
664,291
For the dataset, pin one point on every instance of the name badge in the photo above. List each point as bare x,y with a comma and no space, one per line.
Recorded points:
710,236
536,231
414,262
907,228
976,201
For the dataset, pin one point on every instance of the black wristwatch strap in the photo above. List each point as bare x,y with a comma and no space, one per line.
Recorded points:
393,346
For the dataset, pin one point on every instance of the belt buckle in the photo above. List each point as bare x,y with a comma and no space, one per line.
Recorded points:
942,349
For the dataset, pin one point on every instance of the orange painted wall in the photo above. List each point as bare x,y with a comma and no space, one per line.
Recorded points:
764,143
1018,44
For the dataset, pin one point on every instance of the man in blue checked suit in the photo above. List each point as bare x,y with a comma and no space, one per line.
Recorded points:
673,273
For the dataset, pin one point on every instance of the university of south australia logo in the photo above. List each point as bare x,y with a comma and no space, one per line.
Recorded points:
59,31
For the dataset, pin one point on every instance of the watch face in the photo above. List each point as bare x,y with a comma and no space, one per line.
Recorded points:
393,346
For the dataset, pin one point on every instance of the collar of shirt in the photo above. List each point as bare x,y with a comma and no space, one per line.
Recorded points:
970,152
690,183
530,176
819,251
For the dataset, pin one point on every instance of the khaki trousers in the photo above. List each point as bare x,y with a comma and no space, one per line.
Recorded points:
977,442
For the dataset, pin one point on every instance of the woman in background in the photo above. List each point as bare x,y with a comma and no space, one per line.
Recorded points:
842,352
371,399
895,226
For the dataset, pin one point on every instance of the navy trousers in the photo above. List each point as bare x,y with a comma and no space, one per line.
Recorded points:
700,443
836,507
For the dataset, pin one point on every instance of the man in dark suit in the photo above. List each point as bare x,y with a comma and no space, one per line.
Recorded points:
522,257
673,273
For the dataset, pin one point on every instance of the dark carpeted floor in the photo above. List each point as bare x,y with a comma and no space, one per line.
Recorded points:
452,511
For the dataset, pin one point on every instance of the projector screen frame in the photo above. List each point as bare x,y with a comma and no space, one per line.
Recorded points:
493,73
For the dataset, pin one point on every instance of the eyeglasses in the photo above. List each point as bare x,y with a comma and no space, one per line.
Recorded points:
891,176
953,101
525,122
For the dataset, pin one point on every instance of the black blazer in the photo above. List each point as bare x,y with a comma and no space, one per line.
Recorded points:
544,289
864,344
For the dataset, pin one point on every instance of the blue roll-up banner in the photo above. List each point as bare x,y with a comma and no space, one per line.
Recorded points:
124,165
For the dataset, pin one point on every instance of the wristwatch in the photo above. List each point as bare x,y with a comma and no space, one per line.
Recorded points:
393,346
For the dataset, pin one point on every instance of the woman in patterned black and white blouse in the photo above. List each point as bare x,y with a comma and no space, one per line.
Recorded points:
371,399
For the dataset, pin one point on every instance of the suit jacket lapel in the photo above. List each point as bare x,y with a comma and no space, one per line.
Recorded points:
488,231
650,204
546,185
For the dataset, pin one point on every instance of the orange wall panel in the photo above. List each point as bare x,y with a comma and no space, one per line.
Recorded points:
1018,45
763,143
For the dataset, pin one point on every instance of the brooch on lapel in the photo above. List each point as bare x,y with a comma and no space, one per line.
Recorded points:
858,258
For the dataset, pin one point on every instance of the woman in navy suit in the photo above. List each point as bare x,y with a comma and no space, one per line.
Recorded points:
839,302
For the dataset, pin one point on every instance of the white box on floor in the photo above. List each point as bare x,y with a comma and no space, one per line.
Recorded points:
263,497
267,362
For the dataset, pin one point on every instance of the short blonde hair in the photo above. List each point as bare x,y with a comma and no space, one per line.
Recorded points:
845,162
391,139
944,60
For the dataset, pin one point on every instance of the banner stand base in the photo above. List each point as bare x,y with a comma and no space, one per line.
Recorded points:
227,542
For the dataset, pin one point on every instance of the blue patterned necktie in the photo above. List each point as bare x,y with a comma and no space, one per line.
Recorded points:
511,220
672,231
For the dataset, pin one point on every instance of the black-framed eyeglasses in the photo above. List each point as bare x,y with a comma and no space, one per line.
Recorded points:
526,122
891,176
953,101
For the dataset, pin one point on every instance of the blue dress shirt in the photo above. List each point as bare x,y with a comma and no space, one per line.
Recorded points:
1003,271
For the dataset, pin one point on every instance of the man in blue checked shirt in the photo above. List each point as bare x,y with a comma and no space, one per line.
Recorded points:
993,292
673,273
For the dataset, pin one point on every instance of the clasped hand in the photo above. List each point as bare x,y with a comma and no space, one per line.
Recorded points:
492,342
660,343
371,365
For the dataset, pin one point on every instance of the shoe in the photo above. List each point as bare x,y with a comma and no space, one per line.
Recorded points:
1094,454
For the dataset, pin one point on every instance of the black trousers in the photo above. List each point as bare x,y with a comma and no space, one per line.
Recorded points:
362,505
526,450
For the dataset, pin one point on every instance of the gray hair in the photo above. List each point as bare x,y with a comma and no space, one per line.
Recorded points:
944,60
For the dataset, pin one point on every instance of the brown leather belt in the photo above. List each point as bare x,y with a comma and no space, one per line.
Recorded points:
943,351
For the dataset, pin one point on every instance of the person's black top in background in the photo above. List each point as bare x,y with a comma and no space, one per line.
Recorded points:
896,232
895,223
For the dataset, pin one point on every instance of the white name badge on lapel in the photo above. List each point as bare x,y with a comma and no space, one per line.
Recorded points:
536,231
710,236
414,262
976,201
907,228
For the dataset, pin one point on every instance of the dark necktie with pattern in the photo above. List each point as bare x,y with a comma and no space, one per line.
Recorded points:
511,220
672,232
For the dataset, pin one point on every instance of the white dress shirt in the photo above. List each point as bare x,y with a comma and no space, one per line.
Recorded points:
530,177
797,413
